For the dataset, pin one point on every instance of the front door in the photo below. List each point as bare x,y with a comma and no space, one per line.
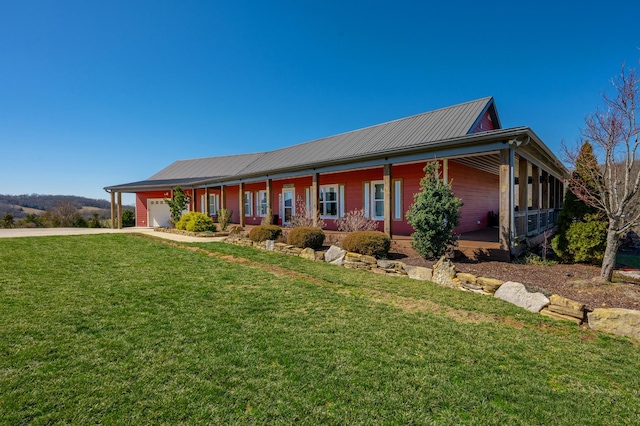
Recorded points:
288,206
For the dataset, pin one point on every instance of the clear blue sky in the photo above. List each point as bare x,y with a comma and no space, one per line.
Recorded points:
97,93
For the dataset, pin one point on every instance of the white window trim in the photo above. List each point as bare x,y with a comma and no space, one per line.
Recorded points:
397,199
248,207
215,206
374,200
321,204
259,203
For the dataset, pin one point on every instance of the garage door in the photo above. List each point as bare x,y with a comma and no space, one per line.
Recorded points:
159,212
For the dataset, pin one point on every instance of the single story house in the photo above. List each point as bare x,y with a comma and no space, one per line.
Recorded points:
508,179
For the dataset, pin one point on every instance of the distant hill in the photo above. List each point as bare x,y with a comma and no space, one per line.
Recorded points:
21,205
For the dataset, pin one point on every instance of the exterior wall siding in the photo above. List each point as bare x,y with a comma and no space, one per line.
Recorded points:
485,124
480,193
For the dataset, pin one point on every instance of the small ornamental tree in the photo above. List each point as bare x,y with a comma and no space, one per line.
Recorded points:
177,204
434,214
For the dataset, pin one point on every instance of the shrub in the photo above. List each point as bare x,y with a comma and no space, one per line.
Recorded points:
224,216
7,221
177,204
372,243
195,222
304,217
265,232
306,236
586,241
434,214
356,220
128,218
95,221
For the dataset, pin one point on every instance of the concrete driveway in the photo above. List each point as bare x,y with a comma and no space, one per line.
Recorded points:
41,232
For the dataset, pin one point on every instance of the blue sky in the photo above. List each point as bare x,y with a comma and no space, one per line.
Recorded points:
97,93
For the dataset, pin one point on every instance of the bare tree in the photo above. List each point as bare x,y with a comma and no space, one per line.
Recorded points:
612,185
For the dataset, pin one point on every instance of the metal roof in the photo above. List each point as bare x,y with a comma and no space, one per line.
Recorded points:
428,127
426,130
229,165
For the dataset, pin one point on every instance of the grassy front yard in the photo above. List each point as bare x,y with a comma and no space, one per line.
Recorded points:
117,328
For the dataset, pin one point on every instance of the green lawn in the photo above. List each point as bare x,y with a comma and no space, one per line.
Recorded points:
124,329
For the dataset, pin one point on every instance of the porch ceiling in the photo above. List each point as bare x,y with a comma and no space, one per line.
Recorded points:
489,163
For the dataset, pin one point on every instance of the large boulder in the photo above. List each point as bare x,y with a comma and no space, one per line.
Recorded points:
625,322
335,255
517,294
444,273
419,272
308,253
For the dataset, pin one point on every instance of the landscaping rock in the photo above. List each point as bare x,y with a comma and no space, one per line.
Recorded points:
335,255
368,259
548,313
270,245
352,257
563,306
308,253
419,272
444,273
517,294
469,282
386,264
490,285
624,322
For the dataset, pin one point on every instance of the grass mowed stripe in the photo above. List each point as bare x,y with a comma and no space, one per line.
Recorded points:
121,329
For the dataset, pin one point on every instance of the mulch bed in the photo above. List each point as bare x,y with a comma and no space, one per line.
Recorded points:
577,282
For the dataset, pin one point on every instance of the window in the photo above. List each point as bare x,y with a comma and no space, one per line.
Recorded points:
328,201
248,204
397,199
214,204
374,200
261,203
377,200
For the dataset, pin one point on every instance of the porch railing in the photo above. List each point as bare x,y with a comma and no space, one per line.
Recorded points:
535,222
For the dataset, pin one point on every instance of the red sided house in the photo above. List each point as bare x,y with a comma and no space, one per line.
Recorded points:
511,184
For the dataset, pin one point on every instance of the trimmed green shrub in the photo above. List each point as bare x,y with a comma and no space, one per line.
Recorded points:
587,241
265,232
306,236
195,222
434,214
371,243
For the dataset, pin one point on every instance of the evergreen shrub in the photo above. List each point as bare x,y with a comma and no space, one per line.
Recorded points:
434,214
265,232
195,222
306,236
371,243
587,241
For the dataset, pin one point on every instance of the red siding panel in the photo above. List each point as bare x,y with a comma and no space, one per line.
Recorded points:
480,193
484,124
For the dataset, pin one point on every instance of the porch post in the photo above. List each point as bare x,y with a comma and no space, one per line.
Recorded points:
270,201
387,199
545,190
119,210
523,185
206,201
223,197
113,210
505,202
535,188
241,203
315,196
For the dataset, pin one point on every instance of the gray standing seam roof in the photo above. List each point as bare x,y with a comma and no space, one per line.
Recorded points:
433,126
419,130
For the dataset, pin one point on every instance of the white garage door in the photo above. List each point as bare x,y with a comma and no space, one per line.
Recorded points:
159,212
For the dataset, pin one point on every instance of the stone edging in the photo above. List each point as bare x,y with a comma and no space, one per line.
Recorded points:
625,322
